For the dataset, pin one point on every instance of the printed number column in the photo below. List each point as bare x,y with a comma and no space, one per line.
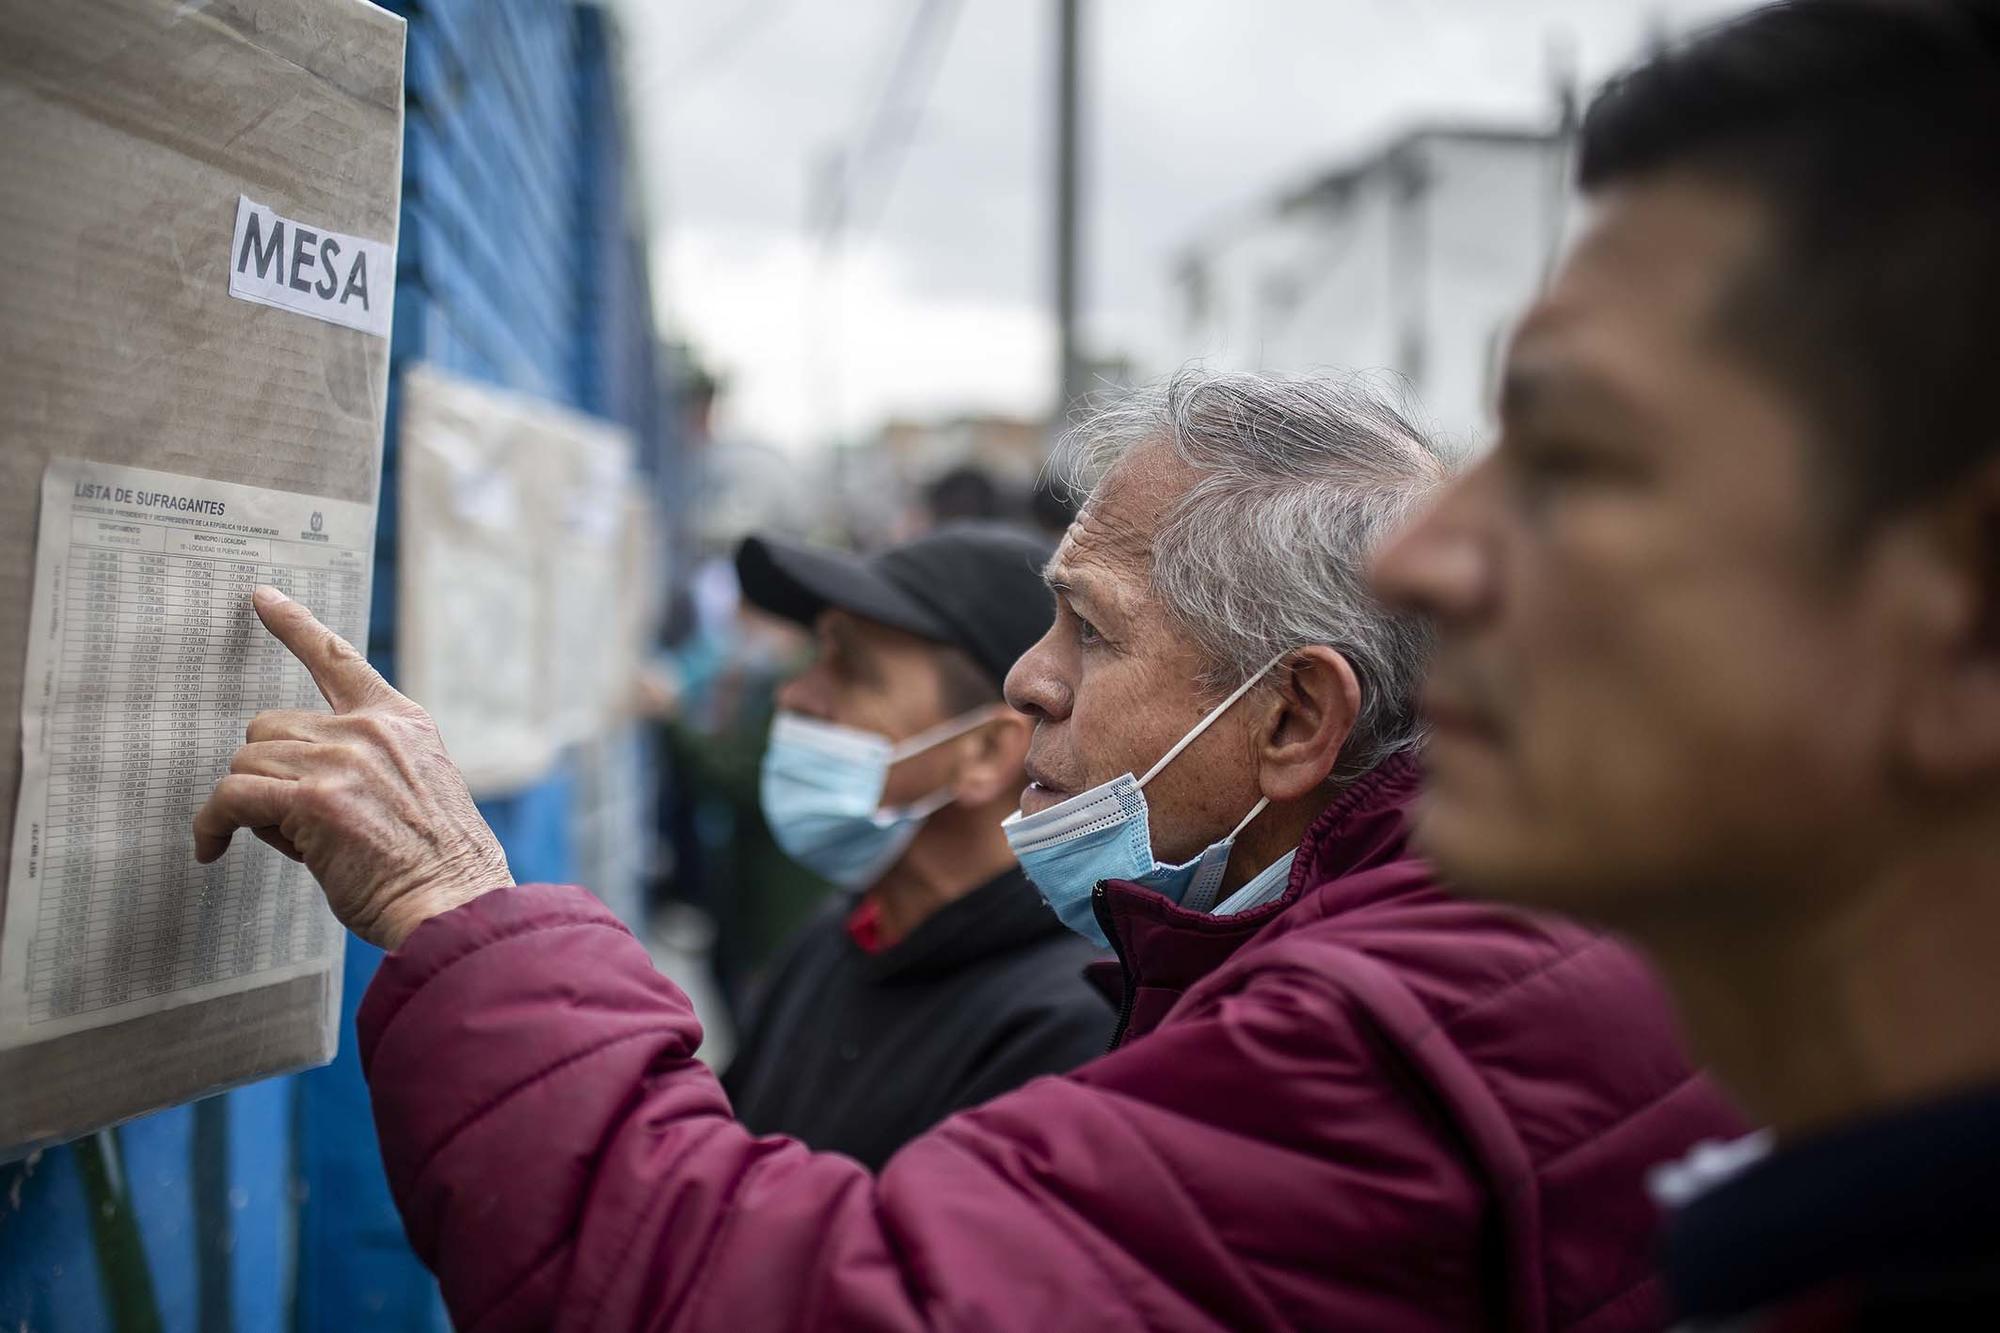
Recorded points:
176,718
326,595
82,717
135,831
203,618
264,676
235,624
276,689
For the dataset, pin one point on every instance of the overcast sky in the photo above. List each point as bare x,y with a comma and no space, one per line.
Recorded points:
939,299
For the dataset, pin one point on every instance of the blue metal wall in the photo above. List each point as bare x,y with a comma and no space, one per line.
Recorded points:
206,1192
519,266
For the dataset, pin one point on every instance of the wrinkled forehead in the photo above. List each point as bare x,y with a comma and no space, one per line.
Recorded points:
1109,547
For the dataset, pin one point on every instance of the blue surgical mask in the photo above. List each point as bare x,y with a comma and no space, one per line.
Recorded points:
822,786
1104,833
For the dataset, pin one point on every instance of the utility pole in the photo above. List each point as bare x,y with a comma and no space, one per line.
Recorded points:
1559,57
826,222
1070,370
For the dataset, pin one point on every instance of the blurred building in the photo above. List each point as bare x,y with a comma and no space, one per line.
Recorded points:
915,472
1009,449
1415,258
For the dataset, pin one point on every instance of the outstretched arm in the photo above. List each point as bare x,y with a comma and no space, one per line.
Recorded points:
562,1160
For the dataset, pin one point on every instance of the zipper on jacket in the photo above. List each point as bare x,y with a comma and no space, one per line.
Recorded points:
1100,907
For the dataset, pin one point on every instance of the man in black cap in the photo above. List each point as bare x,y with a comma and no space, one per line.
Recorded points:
944,979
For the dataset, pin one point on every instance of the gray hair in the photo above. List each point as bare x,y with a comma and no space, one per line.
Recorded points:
1301,478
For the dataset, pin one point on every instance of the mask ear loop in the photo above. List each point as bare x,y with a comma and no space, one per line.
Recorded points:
1206,722
1207,893
949,729
920,809
928,739
1203,896
1255,810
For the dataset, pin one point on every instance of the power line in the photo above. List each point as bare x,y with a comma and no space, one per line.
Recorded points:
835,178
722,46
899,110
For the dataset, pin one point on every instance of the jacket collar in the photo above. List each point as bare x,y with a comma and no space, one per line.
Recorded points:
1367,825
1165,948
1000,915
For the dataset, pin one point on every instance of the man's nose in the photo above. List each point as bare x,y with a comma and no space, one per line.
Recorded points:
1437,565
1033,685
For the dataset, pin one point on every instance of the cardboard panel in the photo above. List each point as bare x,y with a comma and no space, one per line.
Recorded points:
134,130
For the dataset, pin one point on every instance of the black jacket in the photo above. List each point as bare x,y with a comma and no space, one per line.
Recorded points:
1891,1225
857,1053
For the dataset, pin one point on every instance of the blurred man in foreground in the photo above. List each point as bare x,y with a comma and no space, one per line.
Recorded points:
1720,618
943,981
1339,1097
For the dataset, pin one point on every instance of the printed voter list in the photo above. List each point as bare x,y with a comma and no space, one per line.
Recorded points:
145,664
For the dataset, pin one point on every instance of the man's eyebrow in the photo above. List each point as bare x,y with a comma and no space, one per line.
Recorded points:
1078,586
1532,392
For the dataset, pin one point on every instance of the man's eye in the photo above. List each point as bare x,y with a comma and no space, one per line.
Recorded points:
1541,471
1086,633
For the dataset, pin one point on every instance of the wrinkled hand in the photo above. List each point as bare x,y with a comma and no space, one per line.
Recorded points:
365,796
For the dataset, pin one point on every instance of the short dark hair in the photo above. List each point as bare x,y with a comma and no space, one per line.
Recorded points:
1869,130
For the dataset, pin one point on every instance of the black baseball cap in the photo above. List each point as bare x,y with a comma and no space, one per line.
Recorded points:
975,586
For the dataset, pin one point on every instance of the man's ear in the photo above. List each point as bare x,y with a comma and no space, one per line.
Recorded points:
1946,586
1307,717
989,767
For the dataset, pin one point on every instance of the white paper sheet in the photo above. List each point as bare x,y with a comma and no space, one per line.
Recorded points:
509,603
469,629
590,471
145,664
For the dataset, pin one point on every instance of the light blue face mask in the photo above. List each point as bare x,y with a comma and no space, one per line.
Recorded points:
821,788
1104,833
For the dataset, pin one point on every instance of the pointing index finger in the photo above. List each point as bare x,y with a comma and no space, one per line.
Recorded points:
338,668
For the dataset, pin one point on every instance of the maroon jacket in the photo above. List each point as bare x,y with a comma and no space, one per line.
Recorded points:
1385,1109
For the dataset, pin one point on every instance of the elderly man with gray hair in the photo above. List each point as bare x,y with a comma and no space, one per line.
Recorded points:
1338,1097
